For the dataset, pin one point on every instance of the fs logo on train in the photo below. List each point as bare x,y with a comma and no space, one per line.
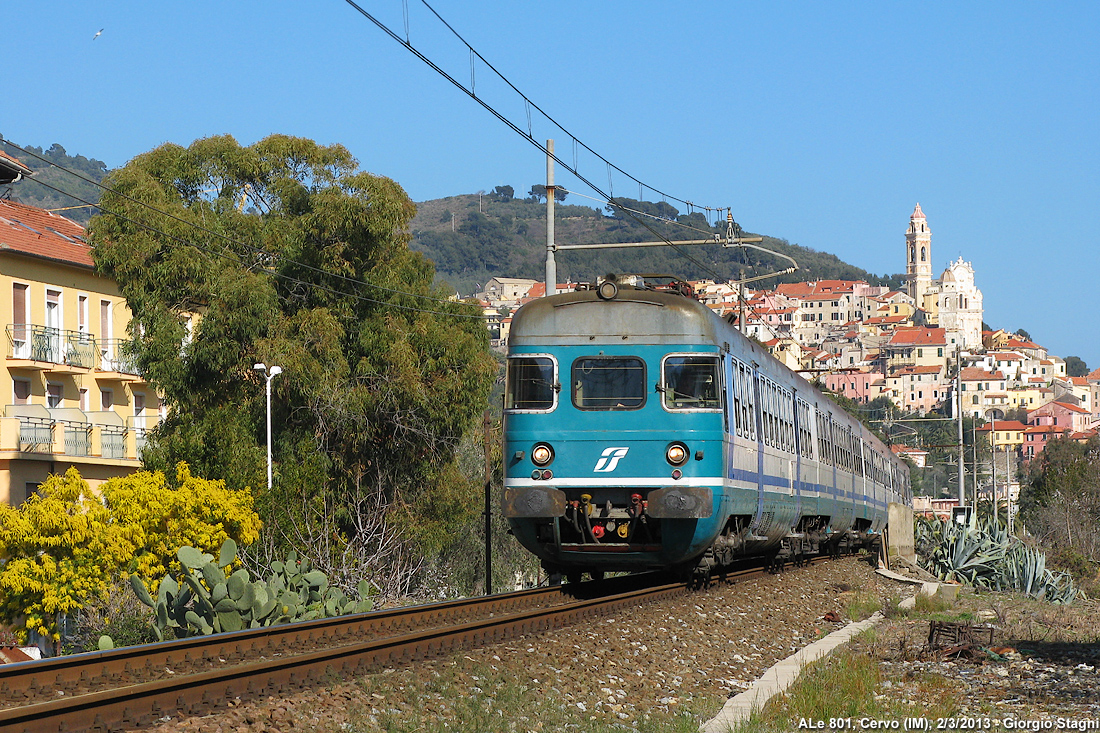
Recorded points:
610,459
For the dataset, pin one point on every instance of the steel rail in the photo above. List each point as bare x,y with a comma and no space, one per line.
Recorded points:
21,683
191,694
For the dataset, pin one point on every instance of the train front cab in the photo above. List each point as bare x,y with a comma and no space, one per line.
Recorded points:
614,455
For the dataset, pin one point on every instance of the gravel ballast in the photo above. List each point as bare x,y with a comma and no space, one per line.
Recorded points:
661,666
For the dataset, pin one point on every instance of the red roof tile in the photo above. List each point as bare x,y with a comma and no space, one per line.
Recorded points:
929,369
919,336
817,289
1002,425
32,231
974,374
14,164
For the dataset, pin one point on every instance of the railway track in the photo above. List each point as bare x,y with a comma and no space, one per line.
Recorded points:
136,686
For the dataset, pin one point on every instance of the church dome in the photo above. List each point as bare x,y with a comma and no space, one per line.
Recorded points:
917,213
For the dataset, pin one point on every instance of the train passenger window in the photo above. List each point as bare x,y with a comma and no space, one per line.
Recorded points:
691,383
530,383
609,383
748,402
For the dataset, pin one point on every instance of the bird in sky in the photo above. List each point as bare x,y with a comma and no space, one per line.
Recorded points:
98,34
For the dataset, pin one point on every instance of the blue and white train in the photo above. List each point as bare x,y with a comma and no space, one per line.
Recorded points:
642,432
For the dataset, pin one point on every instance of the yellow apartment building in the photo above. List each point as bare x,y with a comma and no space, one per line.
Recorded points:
70,394
1004,434
1029,397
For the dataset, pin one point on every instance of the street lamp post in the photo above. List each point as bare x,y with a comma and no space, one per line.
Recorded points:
269,373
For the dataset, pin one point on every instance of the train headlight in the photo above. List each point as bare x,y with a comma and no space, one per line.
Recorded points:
676,454
542,454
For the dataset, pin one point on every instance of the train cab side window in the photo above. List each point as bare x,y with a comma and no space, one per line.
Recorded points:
691,383
609,383
530,383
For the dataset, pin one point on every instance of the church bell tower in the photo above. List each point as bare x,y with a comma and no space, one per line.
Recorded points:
918,258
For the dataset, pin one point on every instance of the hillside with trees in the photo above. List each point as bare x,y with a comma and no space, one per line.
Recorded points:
31,191
474,237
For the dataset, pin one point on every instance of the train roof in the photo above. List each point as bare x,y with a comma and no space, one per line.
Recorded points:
634,315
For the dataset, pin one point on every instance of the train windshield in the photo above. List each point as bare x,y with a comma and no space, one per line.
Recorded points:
609,383
691,383
530,383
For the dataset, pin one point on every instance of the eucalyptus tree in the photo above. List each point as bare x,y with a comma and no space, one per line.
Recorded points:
285,252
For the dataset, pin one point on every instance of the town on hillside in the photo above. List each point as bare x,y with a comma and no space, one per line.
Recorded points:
865,342
76,400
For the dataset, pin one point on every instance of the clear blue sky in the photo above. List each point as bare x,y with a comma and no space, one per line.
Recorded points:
822,123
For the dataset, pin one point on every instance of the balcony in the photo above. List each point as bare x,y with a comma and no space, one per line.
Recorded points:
117,361
70,352
37,432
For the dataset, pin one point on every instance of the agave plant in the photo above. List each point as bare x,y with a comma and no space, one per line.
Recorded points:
986,556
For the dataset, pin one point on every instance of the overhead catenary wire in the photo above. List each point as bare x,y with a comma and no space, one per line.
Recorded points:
278,275
515,128
253,248
576,141
639,213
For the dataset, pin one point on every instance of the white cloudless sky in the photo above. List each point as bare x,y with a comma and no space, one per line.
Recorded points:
821,123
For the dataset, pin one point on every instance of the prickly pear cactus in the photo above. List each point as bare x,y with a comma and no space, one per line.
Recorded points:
208,599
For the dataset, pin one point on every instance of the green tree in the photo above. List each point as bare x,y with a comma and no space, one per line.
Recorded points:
1060,500
504,193
538,193
1076,367
379,380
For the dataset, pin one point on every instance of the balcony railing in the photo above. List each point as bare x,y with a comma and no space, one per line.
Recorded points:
35,434
74,348
116,355
113,442
78,438
140,439
80,349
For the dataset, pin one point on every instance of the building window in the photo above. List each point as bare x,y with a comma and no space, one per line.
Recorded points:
106,399
21,391
82,314
20,307
53,394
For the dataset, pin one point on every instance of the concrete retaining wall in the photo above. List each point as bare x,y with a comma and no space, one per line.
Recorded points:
901,542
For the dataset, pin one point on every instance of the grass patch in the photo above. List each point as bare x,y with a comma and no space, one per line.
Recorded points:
848,684
861,605
480,699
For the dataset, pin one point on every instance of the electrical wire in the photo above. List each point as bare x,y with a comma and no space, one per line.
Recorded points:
511,125
641,213
245,245
541,111
235,260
